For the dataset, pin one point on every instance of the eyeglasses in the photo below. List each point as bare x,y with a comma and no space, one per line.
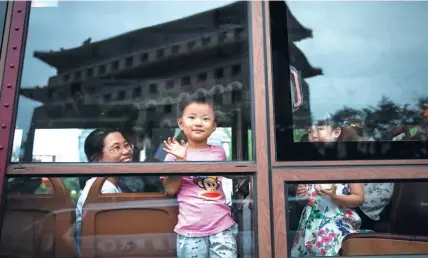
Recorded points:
119,149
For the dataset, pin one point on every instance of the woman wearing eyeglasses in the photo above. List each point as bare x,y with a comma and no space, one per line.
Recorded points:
102,145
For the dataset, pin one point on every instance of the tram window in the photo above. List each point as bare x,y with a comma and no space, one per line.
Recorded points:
70,48
361,218
349,72
105,220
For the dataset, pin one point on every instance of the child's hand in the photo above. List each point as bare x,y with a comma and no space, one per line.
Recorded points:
302,190
179,150
330,192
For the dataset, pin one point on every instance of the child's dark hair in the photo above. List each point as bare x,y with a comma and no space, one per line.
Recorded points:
200,99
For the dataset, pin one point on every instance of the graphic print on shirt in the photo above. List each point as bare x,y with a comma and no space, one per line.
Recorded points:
210,184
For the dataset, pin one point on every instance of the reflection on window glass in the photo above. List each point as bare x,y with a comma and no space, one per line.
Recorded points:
96,72
3,7
156,219
108,145
29,185
370,218
356,72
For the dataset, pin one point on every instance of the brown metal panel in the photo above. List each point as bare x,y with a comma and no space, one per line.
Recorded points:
280,225
74,169
9,84
331,173
269,86
348,162
261,139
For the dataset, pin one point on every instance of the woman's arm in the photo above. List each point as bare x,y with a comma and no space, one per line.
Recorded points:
355,199
172,184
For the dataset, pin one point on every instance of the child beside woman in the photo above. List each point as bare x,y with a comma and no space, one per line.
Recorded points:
205,226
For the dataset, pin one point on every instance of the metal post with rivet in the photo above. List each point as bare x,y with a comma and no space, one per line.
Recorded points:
13,38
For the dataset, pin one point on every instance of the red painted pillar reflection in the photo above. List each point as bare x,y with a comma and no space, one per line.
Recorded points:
9,85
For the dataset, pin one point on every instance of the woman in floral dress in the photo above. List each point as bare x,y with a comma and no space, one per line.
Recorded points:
327,218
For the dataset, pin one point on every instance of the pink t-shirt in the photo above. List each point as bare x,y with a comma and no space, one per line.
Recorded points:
201,200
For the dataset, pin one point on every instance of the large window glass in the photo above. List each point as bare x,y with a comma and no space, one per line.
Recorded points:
358,218
127,216
349,72
3,7
132,65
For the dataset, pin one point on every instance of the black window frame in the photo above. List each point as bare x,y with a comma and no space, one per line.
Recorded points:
283,118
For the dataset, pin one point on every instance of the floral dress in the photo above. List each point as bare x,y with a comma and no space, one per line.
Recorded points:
323,225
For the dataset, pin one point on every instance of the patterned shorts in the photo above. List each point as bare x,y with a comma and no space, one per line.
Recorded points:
220,245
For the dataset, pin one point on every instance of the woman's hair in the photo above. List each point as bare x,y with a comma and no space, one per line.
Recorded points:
94,143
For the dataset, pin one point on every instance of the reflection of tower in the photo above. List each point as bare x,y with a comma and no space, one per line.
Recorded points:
286,31
302,116
297,32
133,83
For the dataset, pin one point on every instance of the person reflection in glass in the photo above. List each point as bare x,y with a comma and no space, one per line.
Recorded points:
102,145
329,213
329,131
420,133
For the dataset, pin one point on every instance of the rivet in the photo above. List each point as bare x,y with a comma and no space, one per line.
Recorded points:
14,47
1,147
6,105
16,28
11,66
9,86
19,11
3,126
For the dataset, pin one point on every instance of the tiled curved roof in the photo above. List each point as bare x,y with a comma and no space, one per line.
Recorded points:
144,38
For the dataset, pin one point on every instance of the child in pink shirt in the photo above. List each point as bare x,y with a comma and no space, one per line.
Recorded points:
205,227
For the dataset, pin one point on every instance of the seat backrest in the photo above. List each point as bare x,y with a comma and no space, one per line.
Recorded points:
383,244
128,224
38,225
411,206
